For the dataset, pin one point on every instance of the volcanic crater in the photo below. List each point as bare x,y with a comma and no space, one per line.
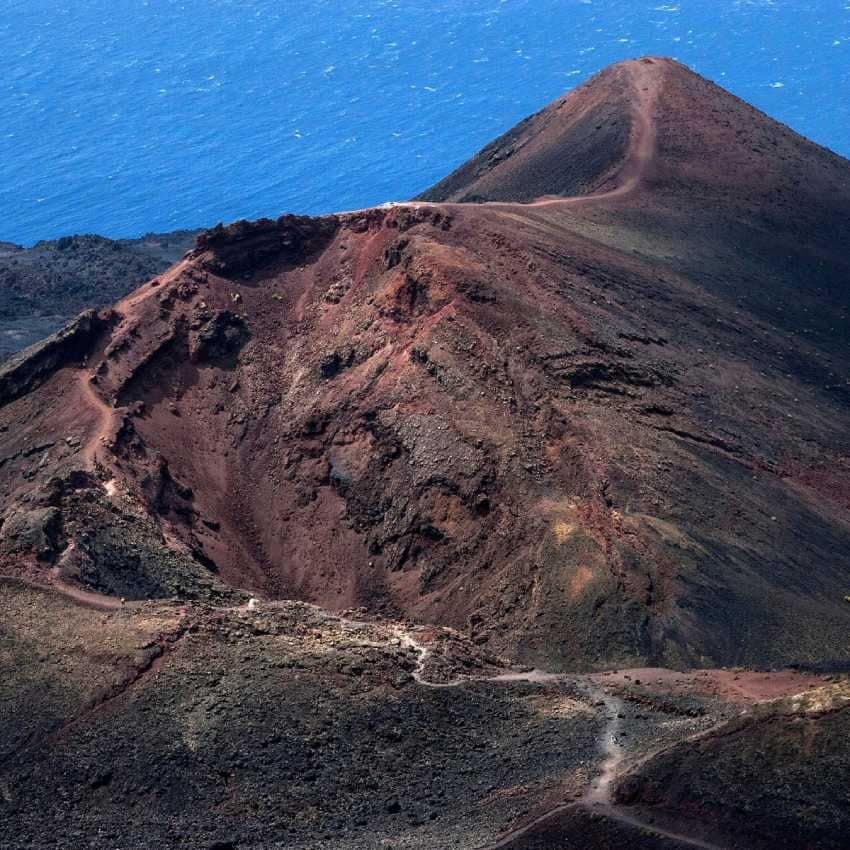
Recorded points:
316,507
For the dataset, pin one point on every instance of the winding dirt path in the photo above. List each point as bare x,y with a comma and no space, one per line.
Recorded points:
640,153
599,796
83,598
106,418
128,305
88,599
107,415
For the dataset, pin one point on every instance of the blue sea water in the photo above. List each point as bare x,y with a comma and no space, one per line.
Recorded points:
127,116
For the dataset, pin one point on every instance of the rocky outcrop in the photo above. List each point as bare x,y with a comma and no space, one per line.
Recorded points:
37,530
73,343
246,246
221,337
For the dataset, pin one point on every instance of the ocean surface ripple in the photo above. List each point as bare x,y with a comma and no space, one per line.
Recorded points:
130,116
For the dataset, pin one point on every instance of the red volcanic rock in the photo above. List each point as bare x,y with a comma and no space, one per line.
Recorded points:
591,428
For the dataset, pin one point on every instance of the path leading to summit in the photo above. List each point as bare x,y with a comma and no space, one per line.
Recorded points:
645,77
641,152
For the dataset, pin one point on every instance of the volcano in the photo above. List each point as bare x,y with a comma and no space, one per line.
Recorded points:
286,532
585,401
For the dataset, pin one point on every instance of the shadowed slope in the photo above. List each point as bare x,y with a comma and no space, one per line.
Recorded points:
775,778
572,147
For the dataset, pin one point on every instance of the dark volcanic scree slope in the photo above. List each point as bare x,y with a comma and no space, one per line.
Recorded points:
609,428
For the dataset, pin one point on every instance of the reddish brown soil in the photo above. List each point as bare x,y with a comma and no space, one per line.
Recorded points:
738,686
584,402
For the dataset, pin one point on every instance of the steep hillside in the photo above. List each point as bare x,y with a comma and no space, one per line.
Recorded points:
572,147
608,429
599,418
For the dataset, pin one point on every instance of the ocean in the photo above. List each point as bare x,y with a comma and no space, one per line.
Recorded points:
129,116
